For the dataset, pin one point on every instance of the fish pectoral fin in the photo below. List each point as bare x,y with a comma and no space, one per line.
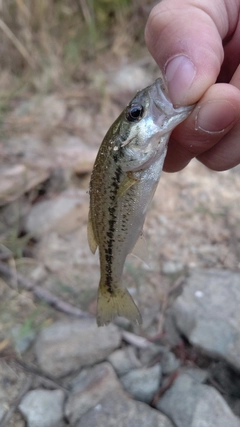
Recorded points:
116,303
140,249
91,237
128,182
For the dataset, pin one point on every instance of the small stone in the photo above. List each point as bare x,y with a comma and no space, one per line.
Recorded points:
199,375
116,409
43,408
38,274
124,360
169,363
128,78
52,110
191,404
123,323
149,354
67,346
142,383
62,214
208,314
21,340
26,146
89,388
171,267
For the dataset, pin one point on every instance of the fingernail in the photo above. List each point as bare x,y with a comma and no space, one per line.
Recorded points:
215,116
179,72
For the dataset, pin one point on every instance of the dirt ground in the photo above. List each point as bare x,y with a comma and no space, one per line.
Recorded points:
193,220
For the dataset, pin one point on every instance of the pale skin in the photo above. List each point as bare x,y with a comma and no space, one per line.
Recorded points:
196,44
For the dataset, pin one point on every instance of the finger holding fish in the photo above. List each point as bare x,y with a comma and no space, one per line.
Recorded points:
209,133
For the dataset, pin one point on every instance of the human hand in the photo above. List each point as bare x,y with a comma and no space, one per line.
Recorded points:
196,43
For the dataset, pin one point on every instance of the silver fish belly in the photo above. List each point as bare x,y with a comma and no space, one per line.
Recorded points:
124,179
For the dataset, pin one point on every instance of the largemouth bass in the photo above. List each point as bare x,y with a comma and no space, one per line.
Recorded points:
123,181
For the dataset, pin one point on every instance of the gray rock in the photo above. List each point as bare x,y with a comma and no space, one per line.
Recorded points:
208,313
169,363
149,354
124,360
18,179
191,404
3,409
43,408
61,214
92,385
199,375
67,346
64,252
117,409
142,383
12,215
171,332
26,145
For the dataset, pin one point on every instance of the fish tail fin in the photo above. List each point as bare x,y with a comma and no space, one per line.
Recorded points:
118,302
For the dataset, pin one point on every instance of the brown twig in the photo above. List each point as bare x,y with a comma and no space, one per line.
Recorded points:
44,294
165,305
136,340
164,388
18,45
47,381
6,418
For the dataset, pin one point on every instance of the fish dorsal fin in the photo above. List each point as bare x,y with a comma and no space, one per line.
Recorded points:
140,249
91,237
128,182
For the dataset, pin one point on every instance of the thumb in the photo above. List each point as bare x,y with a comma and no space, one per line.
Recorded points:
186,42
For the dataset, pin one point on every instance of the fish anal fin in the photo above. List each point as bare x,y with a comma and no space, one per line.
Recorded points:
116,303
91,238
127,183
140,249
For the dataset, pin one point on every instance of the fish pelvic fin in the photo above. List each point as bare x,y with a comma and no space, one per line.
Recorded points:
140,250
127,183
118,302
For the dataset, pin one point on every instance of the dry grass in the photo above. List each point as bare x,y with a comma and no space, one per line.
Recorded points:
46,45
63,33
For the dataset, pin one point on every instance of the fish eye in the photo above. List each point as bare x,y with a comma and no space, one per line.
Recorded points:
134,113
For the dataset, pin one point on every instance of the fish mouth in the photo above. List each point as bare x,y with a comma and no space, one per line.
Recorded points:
162,109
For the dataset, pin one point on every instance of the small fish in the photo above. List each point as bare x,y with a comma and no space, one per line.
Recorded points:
124,179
